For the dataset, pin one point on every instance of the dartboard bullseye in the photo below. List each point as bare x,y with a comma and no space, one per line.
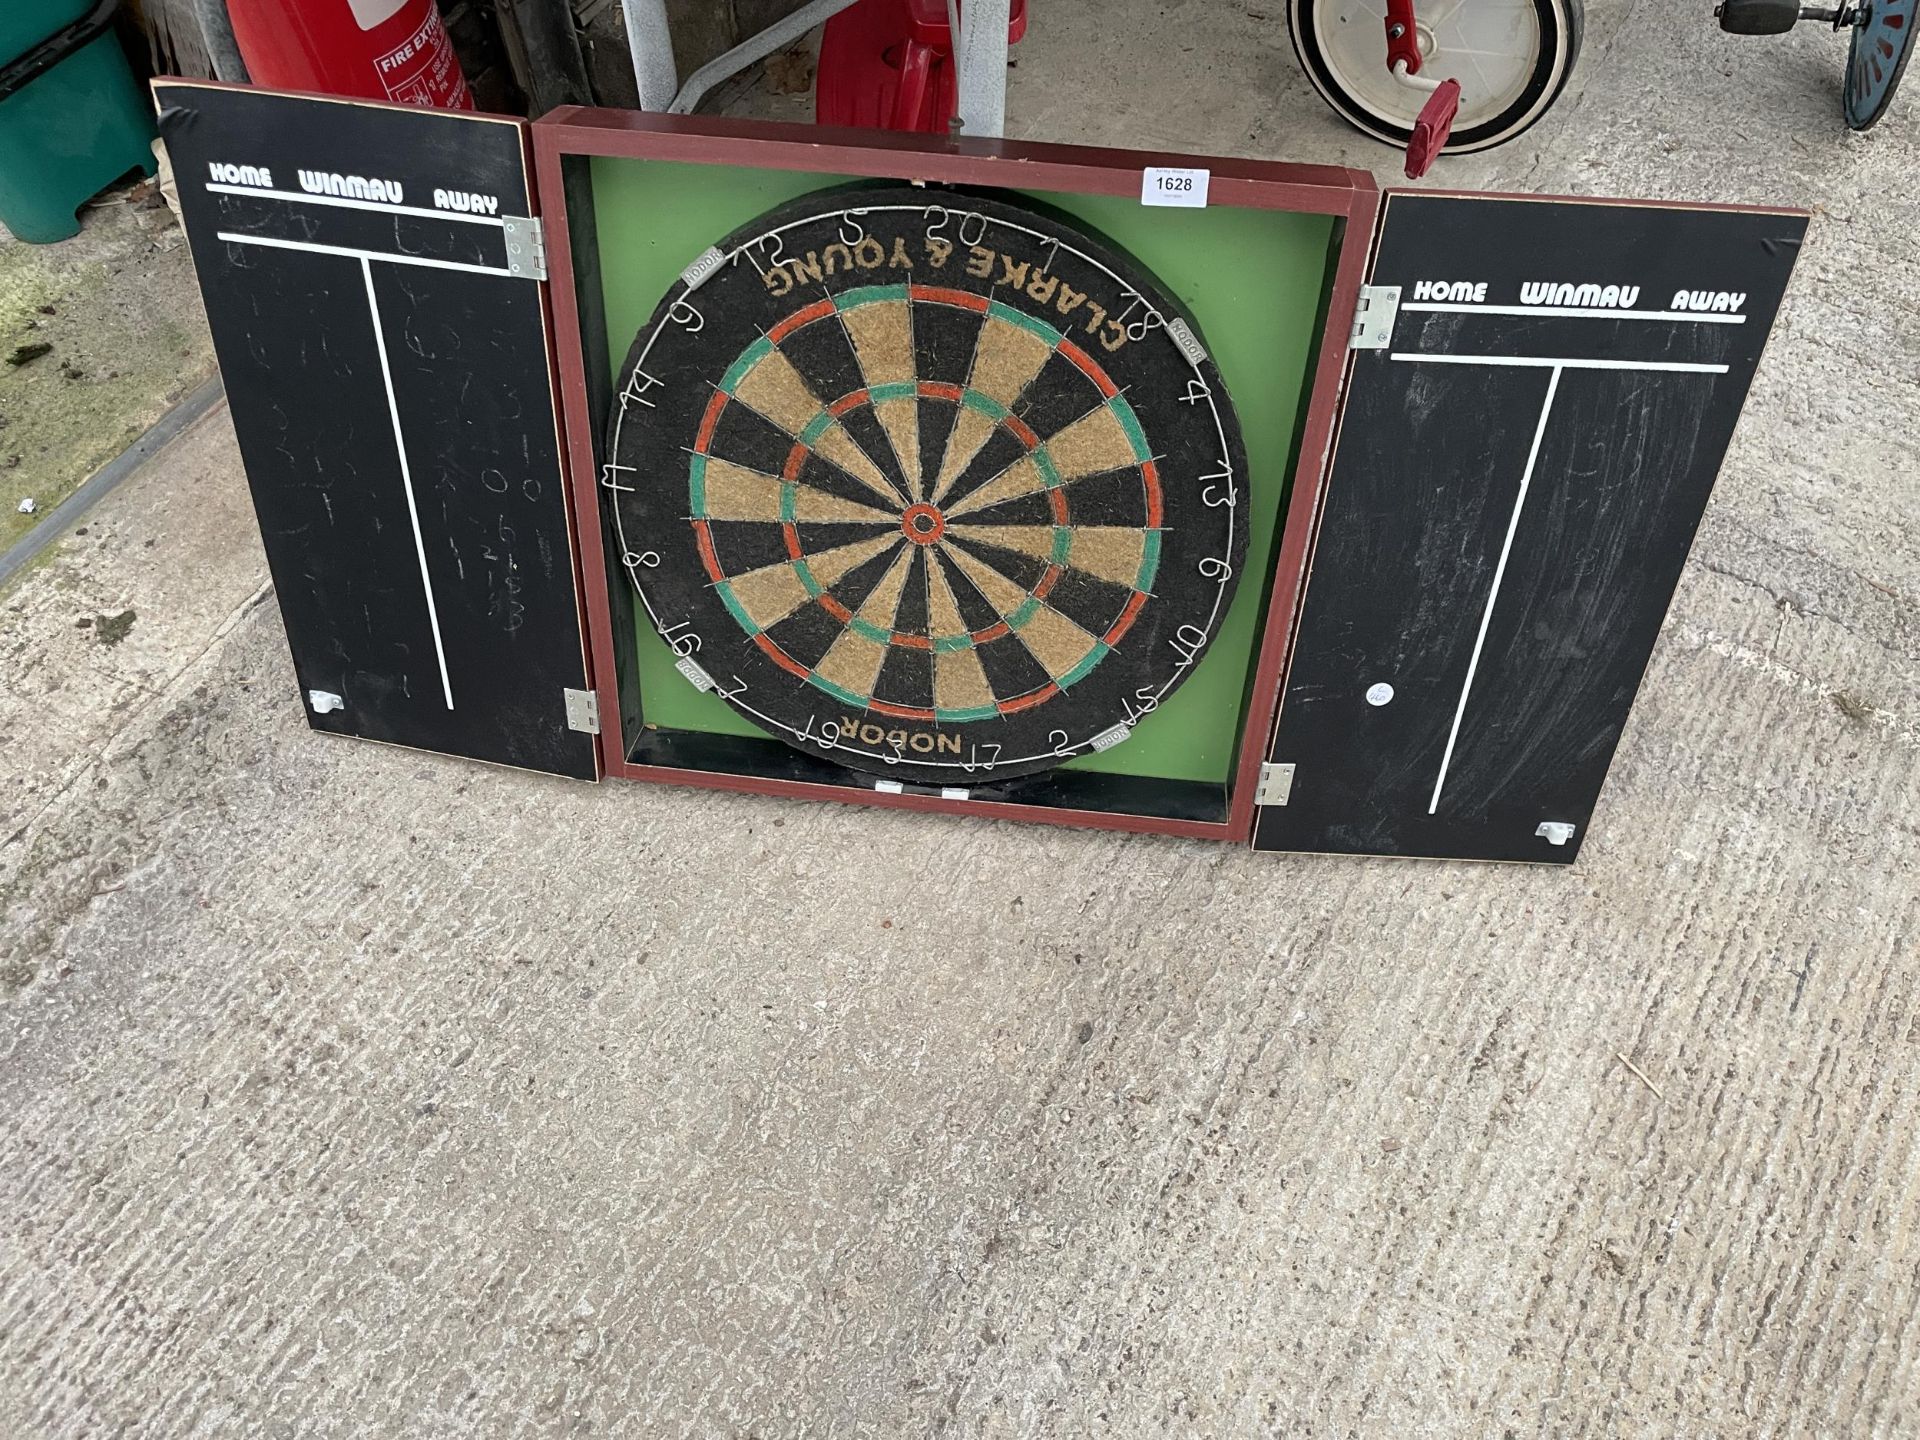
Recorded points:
933,486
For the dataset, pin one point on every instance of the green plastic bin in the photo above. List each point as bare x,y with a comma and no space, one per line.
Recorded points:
72,119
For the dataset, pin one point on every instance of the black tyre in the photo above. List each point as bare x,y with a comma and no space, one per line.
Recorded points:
1882,38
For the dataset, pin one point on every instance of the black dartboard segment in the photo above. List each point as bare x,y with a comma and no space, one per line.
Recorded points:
934,486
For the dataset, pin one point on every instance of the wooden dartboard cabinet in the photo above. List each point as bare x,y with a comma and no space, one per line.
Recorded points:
948,475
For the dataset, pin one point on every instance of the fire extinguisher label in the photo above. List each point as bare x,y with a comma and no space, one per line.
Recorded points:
423,70
369,13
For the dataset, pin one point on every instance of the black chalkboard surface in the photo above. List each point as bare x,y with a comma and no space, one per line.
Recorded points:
1518,476
386,364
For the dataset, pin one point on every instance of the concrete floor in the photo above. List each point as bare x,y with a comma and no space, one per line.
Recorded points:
119,313
349,1091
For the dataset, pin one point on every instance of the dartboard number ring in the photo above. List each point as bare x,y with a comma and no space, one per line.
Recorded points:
933,486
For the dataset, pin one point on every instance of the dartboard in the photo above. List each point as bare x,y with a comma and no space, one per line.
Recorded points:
935,486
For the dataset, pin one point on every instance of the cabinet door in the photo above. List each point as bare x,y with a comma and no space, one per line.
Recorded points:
378,315
1518,475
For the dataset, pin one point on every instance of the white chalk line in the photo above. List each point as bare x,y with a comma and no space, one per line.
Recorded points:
406,477
1549,362
1493,595
1580,311
344,202
363,255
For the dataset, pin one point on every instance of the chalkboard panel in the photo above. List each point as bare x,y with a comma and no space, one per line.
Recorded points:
390,388
1518,476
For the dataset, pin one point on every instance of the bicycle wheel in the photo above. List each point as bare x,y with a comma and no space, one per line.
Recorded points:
1876,60
1511,57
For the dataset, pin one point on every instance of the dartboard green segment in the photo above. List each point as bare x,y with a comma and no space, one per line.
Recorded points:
930,485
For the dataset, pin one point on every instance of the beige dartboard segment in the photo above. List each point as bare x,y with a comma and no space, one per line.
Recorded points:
772,592
769,594
1006,359
1092,445
1021,478
853,662
882,606
901,420
1034,541
733,492
834,444
959,683
774,388
1005,595
944,622
1055,641
971,429
1110,552
828,566
882,335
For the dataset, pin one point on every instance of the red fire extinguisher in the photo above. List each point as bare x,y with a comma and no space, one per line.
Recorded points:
379,49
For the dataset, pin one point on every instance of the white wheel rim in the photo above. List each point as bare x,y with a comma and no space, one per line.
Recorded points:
1490,46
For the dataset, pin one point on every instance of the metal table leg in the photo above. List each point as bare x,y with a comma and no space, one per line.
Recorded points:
980,55
650,41
782,32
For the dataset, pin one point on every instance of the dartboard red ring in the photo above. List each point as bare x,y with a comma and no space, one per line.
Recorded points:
934,486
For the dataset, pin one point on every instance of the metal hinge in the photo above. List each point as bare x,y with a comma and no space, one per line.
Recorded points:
1373,317
1276,785
583,711
526,246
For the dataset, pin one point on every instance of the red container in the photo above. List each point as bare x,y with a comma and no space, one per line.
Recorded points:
888,65
376,49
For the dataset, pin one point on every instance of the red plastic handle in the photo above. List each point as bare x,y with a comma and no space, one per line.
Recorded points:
1403,47
1432,127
